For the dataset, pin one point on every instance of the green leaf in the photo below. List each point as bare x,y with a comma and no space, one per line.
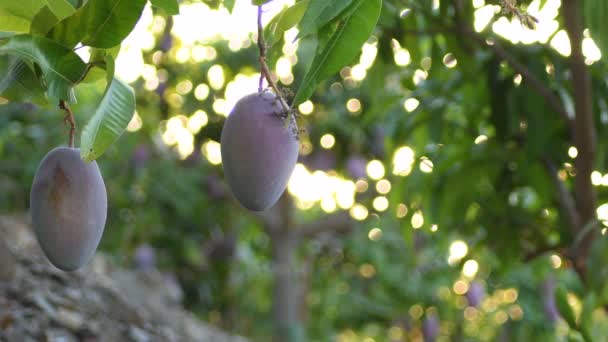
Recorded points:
275,30
61,8
595,16
61,67
339,47
109,121
171,6
16,16
99,23
18,82
286,19
259,2
229,4
319,13
565,310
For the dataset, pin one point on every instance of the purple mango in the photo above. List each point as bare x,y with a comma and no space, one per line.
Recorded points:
259,147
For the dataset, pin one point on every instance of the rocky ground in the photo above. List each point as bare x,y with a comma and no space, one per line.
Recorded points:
100,302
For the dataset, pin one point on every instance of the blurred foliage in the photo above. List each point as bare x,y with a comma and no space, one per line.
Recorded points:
479,137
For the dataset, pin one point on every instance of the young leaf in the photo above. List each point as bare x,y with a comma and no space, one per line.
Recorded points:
283,21
169,6
61,67
319,13
99,23
109,121
340,46
18,82
275,29
229,4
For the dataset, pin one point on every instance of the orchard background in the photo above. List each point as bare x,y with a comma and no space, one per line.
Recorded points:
451,183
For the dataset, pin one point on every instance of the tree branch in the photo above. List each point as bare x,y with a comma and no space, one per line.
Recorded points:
334,223
69,119
584,126
566,200
535,83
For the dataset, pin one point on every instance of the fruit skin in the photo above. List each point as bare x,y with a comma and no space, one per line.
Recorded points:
259,150
68,205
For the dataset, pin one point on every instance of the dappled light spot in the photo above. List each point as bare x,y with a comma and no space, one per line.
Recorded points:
417,220
353,105
380,203
375,169
374,234
358,212
211,150
470,268
403,159
401,210
215,76
458,250
460,287
135,123
449,60
327,141
426,165
411,104
201,92
197,121
383,186
306,107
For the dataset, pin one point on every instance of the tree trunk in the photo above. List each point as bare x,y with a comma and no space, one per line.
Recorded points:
284,297
584,131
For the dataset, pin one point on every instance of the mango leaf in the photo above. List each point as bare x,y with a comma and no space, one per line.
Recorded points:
286,19
171,6
102,64
586,321
565,310
18,82
99,23
275,29
61,8
49,15
339,47
61,67
18,16
319,13
229,4
595,13
109,121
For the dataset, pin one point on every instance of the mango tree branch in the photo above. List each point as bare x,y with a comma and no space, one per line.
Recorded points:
533,81
264,71
566,200
584,126
69,119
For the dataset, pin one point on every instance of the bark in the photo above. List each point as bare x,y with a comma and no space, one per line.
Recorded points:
283,244
584,130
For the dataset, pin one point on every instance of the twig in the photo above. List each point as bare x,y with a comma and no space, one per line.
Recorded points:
566,200
69,119
265,73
